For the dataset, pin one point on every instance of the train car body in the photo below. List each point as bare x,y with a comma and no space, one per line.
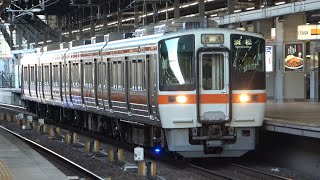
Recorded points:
197,92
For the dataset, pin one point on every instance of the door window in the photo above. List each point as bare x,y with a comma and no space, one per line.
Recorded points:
213,71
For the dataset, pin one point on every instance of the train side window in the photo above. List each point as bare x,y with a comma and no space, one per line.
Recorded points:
67,73
133,70
39,72
75,75
46,75
110,72
25,75
62,74
120,75
140,77
88,79
104,75
114,74
137,75
32,75
55,75
99,73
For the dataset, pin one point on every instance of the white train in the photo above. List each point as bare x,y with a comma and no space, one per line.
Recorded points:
197,92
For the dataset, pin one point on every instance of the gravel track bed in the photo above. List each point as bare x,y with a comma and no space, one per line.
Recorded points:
177,170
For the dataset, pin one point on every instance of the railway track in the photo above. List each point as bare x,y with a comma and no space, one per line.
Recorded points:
237,169
70,165
230,171
255,173
212,173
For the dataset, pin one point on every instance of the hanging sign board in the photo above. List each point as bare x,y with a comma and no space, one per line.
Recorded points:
308,32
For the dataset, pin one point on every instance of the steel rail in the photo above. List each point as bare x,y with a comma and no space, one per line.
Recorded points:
78,167
261,172
212,172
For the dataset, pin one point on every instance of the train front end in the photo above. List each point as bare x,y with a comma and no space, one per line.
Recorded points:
211,91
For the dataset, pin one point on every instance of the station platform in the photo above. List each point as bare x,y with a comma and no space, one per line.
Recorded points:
19,161
297,118
10,96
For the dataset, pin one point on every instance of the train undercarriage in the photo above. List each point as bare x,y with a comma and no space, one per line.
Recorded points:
119,129
210,140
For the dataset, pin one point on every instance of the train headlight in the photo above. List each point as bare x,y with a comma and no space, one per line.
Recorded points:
181,99
244,98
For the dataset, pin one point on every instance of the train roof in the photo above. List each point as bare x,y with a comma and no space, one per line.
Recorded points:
133,42
137,41
89,47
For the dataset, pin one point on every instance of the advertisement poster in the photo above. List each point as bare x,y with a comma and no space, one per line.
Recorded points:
293,59
269,58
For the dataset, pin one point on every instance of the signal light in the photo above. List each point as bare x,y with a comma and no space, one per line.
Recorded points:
157,150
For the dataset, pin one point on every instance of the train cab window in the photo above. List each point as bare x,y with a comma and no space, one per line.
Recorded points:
247,62
212,71
137,75
88,76
176,68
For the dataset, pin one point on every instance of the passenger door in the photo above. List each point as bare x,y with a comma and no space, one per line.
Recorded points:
214,99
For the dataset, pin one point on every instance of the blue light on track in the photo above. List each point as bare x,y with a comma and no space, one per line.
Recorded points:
157,150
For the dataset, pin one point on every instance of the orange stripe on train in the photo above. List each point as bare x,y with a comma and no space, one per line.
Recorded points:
212,98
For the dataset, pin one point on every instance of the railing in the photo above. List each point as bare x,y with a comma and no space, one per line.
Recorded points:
6,80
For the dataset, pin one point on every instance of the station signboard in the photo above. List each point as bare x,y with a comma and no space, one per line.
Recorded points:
308,32
269,58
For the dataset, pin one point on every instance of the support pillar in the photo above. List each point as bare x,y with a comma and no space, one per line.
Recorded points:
69,22
119,16
45,32
18,37
28,40
230,7
279,41
201,9
60,28
80,23
176,5
136,15
105,18
92,23
167,13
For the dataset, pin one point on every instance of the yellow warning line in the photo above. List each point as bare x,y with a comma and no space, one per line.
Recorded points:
5,173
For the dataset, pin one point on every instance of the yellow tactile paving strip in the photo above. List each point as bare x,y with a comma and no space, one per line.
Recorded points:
5,173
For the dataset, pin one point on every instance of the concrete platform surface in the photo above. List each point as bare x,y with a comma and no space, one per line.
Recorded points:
298,118
19,161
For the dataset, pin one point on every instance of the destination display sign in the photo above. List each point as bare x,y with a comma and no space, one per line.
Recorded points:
212,39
